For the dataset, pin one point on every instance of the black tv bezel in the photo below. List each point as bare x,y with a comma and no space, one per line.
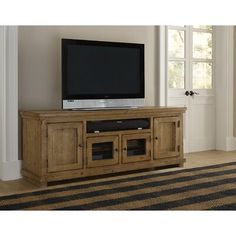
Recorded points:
66,42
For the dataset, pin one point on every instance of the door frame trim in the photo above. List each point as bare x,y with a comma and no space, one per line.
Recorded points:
10,166
225,139
224,77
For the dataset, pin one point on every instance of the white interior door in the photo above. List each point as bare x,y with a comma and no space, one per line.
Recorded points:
190,82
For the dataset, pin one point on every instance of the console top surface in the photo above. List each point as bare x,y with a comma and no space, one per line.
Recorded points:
144,111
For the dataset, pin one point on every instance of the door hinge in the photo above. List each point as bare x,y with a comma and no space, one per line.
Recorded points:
178,124
150,139
150,153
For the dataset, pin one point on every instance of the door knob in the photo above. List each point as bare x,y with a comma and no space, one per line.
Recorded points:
191,93
187,93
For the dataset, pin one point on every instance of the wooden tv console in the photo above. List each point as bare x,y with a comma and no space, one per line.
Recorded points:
63,144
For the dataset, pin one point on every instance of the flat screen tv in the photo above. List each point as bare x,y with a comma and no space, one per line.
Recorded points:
98,74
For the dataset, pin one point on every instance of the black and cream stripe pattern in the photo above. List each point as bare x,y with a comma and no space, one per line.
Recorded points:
203,188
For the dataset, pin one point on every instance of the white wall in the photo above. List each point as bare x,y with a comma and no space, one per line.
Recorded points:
40,59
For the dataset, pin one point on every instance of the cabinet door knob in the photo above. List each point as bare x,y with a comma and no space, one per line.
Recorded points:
125,149
156,138
80,145
116,149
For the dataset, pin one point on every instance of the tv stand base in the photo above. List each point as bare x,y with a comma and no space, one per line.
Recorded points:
59,145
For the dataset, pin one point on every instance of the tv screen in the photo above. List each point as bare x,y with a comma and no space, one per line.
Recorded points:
102,70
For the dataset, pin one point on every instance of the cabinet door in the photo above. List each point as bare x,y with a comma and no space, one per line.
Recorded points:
65,147
166,137
102,151
136,147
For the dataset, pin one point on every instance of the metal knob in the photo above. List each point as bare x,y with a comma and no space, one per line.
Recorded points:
187,93
191,93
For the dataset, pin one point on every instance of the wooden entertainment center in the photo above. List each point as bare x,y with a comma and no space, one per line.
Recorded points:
65,144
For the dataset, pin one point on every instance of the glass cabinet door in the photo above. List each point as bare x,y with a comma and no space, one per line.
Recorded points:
102,151
136,147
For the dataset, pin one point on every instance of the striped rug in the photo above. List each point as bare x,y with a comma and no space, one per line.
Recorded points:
203,188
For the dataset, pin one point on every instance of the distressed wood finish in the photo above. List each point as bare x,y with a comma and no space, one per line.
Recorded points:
31,147
167,133
56,146
112,160
65,143
135,158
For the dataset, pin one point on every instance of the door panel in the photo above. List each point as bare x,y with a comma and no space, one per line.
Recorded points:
102,151
199,75
136,147
65,150
166,137
202,123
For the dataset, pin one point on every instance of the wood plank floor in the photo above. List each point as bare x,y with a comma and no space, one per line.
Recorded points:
192,160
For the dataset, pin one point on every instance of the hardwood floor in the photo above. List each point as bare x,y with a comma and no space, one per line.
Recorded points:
192,160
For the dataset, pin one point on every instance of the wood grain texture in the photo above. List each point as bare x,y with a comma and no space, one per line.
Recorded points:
167,133
56,145
104,113
112,160
31,146
102,170
65,146
148,143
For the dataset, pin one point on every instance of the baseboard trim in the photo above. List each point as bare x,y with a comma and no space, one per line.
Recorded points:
201,144
230,143
11,170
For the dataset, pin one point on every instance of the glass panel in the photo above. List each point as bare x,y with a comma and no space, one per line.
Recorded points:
176,43
102,151
136,147
176,74
202,45
208,27
202,75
